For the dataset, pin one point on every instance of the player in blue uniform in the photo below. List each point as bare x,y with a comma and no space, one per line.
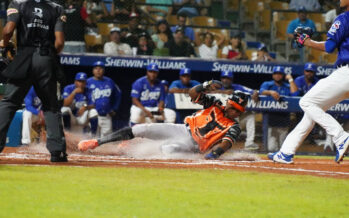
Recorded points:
76,106
248,118
305,82
326,93
278,122
148,96
184,83
105,95
32,113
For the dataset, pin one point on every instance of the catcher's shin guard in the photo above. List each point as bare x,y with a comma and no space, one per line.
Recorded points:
122,134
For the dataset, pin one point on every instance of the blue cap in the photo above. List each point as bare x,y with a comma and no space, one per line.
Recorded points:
153,67
184,71
279,69
164,82
310,67
98,64
227,73
302,9
81,76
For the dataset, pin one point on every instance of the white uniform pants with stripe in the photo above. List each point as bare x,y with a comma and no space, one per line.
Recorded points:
105,125
28,119
173,134
326,93
80,120
138,116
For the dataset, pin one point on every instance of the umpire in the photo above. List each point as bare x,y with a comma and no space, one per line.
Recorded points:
40,38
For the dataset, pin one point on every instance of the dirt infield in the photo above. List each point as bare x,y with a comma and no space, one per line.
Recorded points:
244,162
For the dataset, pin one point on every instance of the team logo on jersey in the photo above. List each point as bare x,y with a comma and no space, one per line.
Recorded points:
335,26
12,11
38,12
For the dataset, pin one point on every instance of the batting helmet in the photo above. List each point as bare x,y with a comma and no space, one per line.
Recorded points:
238,100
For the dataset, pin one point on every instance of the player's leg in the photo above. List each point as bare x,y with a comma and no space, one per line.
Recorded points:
296,137
272,136
173,133
170,115
249,119
326,93
93,119
136,115
67,117
45,85
28,119
106,125
15,92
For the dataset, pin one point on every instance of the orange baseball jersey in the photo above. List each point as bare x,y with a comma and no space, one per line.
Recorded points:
209,126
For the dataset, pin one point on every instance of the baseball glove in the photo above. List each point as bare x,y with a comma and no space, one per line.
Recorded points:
301,34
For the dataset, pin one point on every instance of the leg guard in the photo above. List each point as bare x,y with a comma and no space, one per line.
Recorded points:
122,134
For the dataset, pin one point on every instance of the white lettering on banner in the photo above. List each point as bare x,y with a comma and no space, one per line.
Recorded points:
100,93
115,62
340,107
283,105
167,64
70,60
231,67
321,71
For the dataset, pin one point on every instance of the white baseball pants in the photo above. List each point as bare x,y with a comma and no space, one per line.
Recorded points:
326,93
174,134
28,119
80,120
248,119
138,116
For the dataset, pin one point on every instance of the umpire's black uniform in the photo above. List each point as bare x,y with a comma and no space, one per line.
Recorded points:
36,64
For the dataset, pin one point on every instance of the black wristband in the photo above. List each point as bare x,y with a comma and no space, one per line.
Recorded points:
218,151
199,88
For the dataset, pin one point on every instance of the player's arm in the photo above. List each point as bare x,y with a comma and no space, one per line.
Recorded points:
59,31
227,142
197,92
315,45
70,98
7,33
293,86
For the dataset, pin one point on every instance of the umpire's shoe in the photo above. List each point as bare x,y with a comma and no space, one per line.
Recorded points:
59,157
280,157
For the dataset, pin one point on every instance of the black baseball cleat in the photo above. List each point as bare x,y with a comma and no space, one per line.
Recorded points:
59,157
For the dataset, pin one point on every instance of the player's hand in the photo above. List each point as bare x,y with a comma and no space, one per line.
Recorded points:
288,76
112,113
148,114
255,96
275,95
78,90
81,111
41,120
212,85
301,34
2,44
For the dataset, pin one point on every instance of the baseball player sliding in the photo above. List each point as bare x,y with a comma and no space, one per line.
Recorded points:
212,129
326,93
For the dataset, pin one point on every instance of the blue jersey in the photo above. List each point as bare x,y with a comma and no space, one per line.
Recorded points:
104,94
178,84
32,102
284,89
148,95
238,87
339,34
80,99
302,85
298,23
277,119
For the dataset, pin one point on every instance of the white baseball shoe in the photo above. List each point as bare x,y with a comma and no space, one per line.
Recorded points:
280,157
341,149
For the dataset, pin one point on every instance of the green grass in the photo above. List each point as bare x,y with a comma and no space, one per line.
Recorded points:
43,191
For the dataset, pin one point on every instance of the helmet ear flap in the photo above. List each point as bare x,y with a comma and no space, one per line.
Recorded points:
238,100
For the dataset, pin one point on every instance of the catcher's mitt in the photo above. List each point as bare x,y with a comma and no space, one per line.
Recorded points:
301,34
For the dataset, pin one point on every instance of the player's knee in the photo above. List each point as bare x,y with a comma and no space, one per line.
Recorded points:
92,113
304,103
65,110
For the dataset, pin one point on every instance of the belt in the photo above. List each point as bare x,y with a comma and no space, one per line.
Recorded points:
343,65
